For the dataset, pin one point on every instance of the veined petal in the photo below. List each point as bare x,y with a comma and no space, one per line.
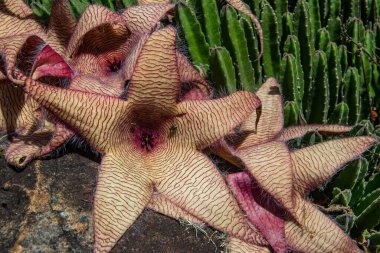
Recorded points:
236,245
93,17
294,132
132,56
164,206
314,165
155,80
93,84
144,18
17,7
205,121
153,1
11,26
271,118
317,233
123,190
191,181
271,167
93,116
61,26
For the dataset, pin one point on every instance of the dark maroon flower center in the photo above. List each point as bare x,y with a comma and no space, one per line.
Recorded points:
145,139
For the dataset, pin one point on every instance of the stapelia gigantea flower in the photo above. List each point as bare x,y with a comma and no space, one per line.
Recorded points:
150,144
282,178
24,149
75,49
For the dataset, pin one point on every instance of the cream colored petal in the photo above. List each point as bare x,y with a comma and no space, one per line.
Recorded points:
12,26
317,233
238,246
94,16
61,26
144,18
153,1
93,116
203,122
123,190
271,118
164,206
270,165
17,7
314,165
191,181
294,132
155,80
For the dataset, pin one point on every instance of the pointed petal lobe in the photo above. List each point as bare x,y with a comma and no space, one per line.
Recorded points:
155,79
123,190
317,233
93,116
271,119
294,132
251,199
238,246
50,63
205,121
191,181
271,167
164,206
61,25
314,165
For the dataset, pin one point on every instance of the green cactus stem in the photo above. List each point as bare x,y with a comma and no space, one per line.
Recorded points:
334,74
253,48
318,109
211,22
340,114
291,113
197,44
322,39
236,43
352,94
222,70
303,31
271,56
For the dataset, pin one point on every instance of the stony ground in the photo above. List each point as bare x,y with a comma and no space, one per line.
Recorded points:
47,208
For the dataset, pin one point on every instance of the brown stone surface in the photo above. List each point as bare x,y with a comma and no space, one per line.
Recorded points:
47,208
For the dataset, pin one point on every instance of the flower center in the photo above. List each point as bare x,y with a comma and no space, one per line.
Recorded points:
145,139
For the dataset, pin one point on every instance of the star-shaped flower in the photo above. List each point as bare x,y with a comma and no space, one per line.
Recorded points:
150,144
282,178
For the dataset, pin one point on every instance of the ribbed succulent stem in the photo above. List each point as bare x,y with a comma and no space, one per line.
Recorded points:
197,44
334,74
236,42
302,27
222,70
352,94
320,95
340,114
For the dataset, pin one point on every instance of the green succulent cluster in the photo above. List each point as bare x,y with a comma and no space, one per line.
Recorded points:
325,53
